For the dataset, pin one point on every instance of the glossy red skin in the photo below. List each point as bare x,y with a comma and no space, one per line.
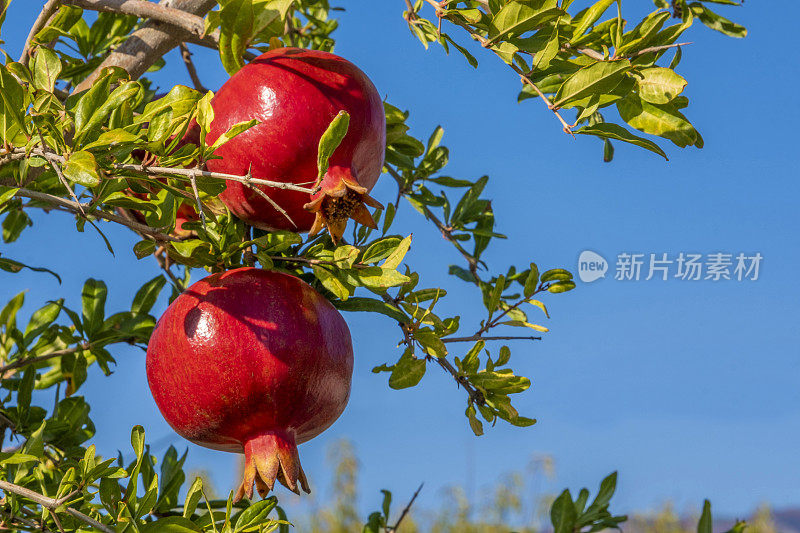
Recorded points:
295,93
250,352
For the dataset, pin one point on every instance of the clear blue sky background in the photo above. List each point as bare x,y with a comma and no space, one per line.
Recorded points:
689,389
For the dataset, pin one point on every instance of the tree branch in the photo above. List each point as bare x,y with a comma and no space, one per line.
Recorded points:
76,208
48,11
27,361
146,45
479,337
189,172
52,504
143,9
407,508
656,49
446,232
190,68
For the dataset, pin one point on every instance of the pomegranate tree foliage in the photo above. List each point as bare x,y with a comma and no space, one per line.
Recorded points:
84,151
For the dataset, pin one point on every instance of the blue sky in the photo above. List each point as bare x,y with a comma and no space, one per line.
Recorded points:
689,389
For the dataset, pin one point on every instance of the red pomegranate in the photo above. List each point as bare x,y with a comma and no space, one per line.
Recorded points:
252,361
296,93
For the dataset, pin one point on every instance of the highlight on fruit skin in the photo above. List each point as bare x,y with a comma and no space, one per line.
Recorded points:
252,361
295,94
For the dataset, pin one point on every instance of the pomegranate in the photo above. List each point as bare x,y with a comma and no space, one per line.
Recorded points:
252,361
296,93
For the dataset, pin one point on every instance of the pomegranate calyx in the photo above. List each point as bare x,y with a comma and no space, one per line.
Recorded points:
334,205
267,457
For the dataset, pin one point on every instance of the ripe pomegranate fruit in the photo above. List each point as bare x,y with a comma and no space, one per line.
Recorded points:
296,93
256,361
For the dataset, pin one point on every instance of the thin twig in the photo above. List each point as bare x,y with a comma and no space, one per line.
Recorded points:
656,49
57,169
27,523
189,172
187,60
474,394
407,508
446,232
199,204
76,207
48,11
486,43
52,504
269,200
20,363
479,337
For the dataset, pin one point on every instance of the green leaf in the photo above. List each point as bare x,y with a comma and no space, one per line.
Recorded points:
332,282
232,132
589,17
380,249
205,115
497,293
663,120
144,248
396,257
94,302
8,316
105,105
519,16
470,58
542,59
474,423
471,361
170,524
12,99
46,68
408,371
705,523
11,192
236,28
371,305
255,516
16,458
10,265
523,324
562,513
331,140
193,496
81,168
532,281
561,286
504,357
717,22
659,85
500,382
42,318
147,295
425,295
378,278
608,130
598,78
15,221
431,343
